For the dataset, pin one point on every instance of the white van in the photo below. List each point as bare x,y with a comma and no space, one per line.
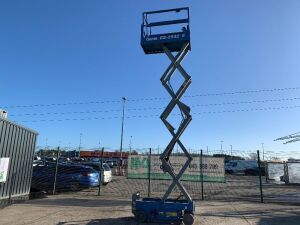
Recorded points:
239,166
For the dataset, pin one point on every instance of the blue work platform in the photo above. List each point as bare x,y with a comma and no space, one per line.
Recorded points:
152,43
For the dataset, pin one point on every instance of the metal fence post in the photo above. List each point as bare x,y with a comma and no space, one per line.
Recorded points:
286,173
56,168
101,174
11,189
266,172
149,173
201,174
260,182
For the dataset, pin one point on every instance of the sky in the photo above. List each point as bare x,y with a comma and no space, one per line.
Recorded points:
65,65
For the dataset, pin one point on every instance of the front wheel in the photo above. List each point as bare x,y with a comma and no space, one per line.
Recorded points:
188,219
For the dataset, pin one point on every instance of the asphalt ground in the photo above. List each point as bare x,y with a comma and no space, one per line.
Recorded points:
73,209
235,202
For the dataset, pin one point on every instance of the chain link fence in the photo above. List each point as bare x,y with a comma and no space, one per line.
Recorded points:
217,177
282,182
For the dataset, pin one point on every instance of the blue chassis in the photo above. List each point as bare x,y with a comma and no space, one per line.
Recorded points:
170,211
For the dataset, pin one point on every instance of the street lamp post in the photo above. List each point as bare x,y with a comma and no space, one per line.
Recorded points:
46,147
221,147
130,142
99,151
79,145
263,151
122,129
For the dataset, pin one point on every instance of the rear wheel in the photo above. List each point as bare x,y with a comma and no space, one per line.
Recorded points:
141,216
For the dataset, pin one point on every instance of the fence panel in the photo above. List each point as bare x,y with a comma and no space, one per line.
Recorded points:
293,169
277,187
220,183
275,171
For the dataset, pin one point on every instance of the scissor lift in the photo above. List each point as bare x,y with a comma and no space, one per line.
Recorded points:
166,209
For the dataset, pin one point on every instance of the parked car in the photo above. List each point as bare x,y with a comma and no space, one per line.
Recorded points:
49,159
69,177
284,178
37,162
37,158
110,163
107,175
255,171
239,166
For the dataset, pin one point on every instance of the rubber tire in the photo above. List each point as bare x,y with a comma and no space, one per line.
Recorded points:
188,219
75,187
141,216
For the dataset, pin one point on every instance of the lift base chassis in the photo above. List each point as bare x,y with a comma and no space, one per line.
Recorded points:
157,210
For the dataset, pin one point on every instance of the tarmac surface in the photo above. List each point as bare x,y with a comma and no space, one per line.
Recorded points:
72,209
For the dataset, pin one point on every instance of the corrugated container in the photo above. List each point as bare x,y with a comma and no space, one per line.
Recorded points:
18,144
3,113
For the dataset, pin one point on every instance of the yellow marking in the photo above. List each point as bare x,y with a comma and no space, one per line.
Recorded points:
171,213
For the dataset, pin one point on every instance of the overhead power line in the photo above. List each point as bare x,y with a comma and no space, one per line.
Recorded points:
152,99
220,94
154,108
62,104
289,138
157,115
65,113
246,92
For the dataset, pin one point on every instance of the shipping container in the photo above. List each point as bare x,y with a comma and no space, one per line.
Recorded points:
17,146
